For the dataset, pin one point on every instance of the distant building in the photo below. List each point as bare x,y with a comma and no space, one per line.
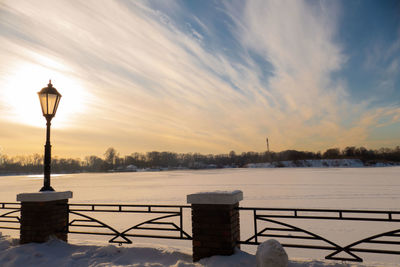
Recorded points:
131,168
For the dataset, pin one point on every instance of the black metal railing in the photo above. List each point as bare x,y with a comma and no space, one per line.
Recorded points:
10,215
266,225
168,222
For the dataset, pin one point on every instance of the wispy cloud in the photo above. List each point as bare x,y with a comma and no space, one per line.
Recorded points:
156,82
300,41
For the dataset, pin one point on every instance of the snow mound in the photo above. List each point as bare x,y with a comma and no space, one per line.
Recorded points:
270,253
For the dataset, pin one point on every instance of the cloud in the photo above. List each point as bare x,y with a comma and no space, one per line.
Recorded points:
299,40
156,82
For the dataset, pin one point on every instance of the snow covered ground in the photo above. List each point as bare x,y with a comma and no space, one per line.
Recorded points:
58,253
344,188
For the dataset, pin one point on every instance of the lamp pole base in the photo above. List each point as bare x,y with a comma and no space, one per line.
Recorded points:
46,188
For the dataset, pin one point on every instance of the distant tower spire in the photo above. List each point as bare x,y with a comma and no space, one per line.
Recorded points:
269,154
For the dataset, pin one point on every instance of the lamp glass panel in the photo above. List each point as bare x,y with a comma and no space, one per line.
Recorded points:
52,103
57,102
43,103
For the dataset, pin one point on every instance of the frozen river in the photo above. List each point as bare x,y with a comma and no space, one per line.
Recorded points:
336,188
370,188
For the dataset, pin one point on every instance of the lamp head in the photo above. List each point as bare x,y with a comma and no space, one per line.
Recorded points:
49,99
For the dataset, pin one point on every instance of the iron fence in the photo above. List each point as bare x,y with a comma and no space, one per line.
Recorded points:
10,215
267,225
167,222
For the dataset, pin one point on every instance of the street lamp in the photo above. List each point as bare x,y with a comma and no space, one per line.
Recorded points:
49,98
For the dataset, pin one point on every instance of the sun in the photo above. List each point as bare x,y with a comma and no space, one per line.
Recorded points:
20,97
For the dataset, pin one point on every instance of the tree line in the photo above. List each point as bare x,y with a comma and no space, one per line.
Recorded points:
111,160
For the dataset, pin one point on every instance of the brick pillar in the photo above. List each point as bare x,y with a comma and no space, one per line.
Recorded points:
43,214
215,223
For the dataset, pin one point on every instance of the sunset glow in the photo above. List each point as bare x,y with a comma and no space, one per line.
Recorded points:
20,93
200,76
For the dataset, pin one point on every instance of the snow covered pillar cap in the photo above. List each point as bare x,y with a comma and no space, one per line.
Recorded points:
216,197
44,196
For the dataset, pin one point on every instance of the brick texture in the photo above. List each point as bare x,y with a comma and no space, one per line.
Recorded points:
216,230
40,220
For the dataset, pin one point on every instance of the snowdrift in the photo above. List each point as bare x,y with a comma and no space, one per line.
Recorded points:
59,253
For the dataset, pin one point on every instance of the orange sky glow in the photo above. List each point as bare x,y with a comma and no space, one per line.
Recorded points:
141,77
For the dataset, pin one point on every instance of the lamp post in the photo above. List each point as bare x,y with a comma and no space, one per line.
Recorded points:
49,99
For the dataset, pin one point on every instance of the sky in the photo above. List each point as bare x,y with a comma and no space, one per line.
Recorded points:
200,76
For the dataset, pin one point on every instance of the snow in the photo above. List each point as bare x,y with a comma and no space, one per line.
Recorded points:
270,253
43,196
216,197
329,188
58,253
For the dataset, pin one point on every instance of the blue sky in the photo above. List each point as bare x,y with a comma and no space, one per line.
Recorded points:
369,33
201,76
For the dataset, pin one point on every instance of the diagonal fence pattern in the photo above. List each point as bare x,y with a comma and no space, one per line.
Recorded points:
278,227
166,223
10,216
